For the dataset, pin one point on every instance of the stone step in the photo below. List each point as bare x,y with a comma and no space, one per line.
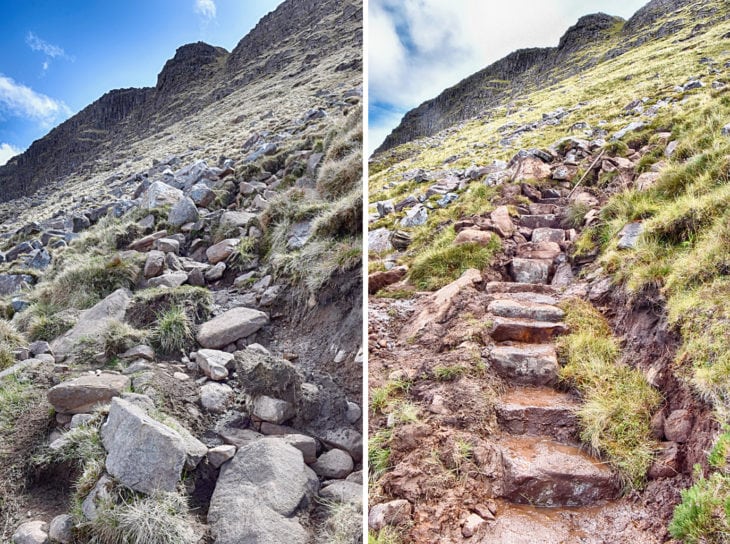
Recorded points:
527,331
518,287
530,270
526,364
525,310
556,201
547,234
544,251
544,473
549,220
539,411
543,209
527,297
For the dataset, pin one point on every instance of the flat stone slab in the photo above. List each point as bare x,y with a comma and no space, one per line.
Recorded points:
530,270
546,234
525,310
544,250
519,287
540,221
230,327
82,394
526,365
527,297
526,330
538,411
545,473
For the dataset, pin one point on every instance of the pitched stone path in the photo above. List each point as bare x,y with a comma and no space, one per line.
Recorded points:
544,467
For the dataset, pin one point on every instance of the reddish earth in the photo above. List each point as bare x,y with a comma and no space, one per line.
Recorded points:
492,453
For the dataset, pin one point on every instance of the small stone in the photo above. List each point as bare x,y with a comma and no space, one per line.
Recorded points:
215,397
82,394
167,245
222,250
334,464
394,513
61,529
354,412
678,426
80,419
31,532
230,327
472,525
155,264
273,410
220,454
216,272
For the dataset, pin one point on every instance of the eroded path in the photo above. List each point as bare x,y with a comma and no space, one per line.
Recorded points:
495,458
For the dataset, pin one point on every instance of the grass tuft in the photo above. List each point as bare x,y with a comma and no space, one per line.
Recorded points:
618,402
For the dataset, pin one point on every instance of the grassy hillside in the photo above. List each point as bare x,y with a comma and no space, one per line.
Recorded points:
684,250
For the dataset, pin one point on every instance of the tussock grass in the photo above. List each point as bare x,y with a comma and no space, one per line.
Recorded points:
87,281
161,518
379,453
148,304
173,333
444,262
343,524
387,535
10,339
119,337
618,402
25,419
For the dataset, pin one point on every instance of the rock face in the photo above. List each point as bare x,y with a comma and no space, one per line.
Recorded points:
144,454
258,492
198,76
82,394
92,323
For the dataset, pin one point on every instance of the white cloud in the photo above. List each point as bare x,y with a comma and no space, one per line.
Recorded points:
22,101
418,48
7,152
50,50
206,8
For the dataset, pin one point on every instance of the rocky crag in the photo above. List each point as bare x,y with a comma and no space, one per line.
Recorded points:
526,70
180,348
549,305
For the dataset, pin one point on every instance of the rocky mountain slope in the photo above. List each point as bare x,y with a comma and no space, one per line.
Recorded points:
592,40
181,304
548,285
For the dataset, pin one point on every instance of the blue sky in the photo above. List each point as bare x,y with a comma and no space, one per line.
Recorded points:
417,48
59,56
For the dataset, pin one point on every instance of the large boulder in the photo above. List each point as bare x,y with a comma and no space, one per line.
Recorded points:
144,454
14,283
160,194
258,494
183,212
230,327
81,395
92,323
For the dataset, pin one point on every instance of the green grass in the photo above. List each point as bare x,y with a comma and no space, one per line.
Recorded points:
379,453
444,262
173,333
381,396
161,518
618,403
703,516
449,373
118,337
387,535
